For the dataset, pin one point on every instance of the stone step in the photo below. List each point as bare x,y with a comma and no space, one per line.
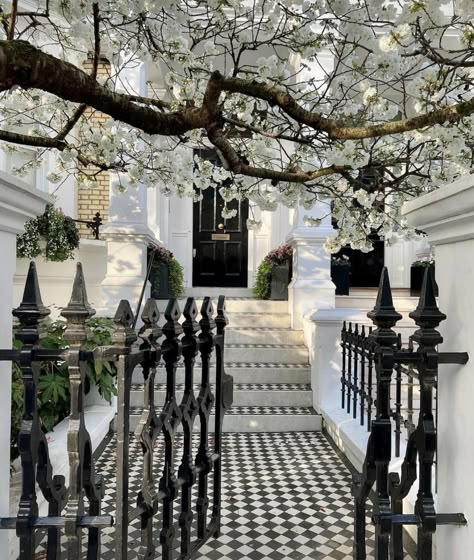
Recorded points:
258,419
245,394
244,372
266,353
198,292
263,336
366,302
259,320
237,305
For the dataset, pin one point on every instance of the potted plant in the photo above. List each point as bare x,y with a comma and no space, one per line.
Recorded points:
340,274
274,274
166,275
54,399
417,272
53,235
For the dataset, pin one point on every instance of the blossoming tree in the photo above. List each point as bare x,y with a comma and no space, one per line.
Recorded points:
391,118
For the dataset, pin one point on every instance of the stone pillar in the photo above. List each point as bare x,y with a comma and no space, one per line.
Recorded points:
447,216
311,287
398,257
19,203
128,237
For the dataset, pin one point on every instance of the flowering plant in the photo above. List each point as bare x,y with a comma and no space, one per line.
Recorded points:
426,261
343,260
162,254
392,101
59,232
279,255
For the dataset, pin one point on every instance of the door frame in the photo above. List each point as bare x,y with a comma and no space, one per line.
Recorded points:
247,275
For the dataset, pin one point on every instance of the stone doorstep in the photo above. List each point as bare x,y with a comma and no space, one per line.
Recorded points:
258,320
248,335
243,373
244,395
267,419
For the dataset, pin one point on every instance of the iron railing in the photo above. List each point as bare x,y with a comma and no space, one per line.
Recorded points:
76,508
93,224
358,384
382,351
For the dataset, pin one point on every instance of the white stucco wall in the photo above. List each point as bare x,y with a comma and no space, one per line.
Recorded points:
447,215
19,202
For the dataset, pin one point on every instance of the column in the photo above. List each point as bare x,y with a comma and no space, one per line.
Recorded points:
128,237
398,258
311,287
447,216
19,203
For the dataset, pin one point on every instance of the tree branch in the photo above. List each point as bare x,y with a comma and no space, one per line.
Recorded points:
236,165
35,141
22,64
13,16
334,128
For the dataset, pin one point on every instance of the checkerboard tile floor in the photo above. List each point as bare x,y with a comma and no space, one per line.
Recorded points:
237,387
286,496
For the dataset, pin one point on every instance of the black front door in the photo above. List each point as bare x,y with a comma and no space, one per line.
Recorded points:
220,248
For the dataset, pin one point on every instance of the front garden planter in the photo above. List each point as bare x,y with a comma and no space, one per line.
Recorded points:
340,275
280,278
161,289
416,280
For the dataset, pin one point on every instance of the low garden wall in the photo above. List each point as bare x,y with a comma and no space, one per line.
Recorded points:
57,277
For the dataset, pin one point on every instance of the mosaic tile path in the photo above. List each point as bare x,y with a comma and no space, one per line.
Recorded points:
286,496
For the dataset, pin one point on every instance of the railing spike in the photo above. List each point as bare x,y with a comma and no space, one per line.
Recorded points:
78,309
190,310
31,310
384,314
124,333
207,309
149,333
150,313
172,328
221,318
427,314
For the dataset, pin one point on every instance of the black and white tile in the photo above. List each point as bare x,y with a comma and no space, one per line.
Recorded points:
271,410
286,496
237,387
264,346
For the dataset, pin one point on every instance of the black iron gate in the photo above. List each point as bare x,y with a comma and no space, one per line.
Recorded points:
77,508
380,353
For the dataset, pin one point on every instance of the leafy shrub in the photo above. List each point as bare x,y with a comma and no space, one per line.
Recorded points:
59,232
54,397
175,272
176,278
261,290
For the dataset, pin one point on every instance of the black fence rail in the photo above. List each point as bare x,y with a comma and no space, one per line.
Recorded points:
359,388
374,361
94,224
75,519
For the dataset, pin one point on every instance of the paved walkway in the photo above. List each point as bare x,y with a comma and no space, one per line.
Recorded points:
286,496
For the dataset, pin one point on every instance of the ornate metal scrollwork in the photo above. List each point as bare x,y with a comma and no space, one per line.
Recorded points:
79,507
386,350
32,444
